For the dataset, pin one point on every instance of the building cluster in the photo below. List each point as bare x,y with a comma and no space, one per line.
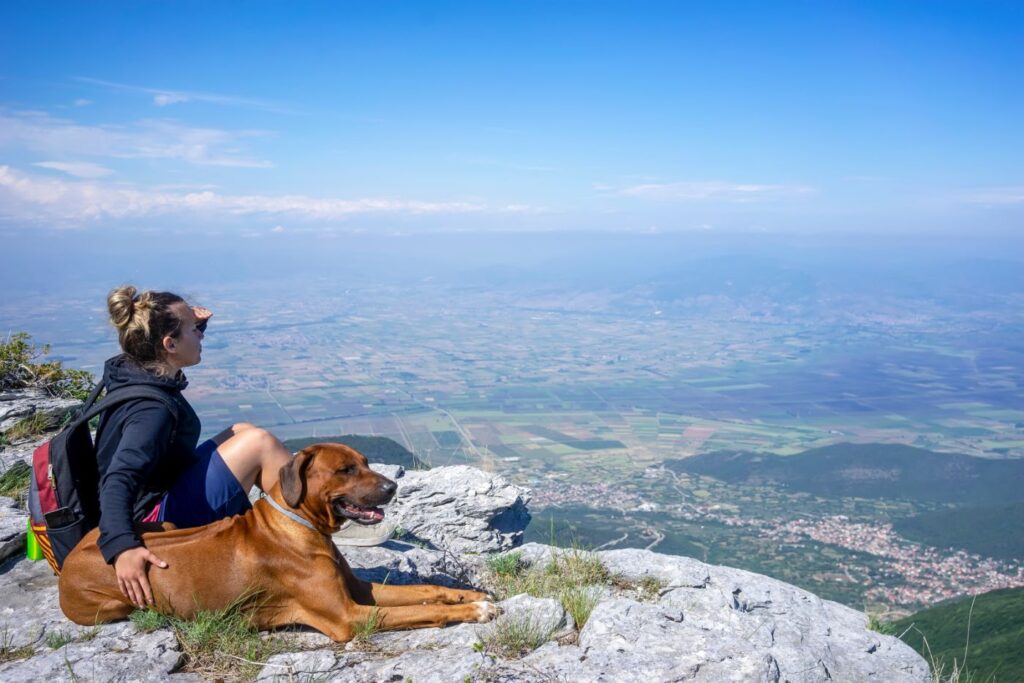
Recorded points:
910,574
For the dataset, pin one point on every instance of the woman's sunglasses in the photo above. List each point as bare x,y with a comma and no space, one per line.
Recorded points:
201,325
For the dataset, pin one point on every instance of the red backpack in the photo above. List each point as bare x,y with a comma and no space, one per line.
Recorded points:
64,491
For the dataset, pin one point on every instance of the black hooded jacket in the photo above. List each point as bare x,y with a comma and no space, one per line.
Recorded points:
138,463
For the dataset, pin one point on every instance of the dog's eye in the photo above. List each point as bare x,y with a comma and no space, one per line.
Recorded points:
348,471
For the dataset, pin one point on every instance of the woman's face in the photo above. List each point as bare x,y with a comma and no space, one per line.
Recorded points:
186,349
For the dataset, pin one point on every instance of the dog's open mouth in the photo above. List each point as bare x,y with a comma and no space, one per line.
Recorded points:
364,514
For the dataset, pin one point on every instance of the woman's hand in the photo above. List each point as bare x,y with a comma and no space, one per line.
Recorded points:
130,567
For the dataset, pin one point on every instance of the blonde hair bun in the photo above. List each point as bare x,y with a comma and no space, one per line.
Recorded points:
121,305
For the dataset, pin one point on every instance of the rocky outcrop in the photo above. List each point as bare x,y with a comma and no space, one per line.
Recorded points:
708,623
701,623
461,509
17,405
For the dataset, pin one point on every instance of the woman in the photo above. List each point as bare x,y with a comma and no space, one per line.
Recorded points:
151,468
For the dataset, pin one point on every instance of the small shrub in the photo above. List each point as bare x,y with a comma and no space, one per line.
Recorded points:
515,637
19,368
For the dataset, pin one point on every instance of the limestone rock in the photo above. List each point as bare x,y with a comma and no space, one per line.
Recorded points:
30,617
461,509
544,614
17,405
707,623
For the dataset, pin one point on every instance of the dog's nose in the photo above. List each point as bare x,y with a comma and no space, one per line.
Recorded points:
388,488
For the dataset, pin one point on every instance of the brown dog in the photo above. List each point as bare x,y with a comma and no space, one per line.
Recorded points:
294,573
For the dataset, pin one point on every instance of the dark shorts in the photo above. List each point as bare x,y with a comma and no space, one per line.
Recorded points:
205,492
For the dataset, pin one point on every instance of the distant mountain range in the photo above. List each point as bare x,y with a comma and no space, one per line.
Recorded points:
376,449
876,471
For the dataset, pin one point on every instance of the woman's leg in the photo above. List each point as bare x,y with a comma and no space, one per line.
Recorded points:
254,455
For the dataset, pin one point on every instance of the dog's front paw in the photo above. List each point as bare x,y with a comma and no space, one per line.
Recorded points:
486,611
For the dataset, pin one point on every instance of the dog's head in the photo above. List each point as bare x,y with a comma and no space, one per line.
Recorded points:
333,482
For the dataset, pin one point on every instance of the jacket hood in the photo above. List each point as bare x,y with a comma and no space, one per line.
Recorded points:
123,370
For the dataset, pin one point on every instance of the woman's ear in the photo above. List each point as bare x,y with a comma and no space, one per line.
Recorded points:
168,343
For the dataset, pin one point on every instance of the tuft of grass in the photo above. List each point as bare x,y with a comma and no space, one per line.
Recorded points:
149,620
572,576
88,634
10,653
55,640
363,631
580,601
514,637
14,482
645,589
217,643
510,564
29,427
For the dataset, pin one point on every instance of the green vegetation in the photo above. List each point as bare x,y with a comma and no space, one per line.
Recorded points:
515,636
149,620
58,639
364,630
981,644
217,643
572,576
20,367
876,471
8,651
646,588
378,449
508,565
29,427
988,530
14,482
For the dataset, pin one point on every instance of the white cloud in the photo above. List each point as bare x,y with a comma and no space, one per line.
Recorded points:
32,198
148,139
277,229
715,191
163,97
996,196
79,169
82,102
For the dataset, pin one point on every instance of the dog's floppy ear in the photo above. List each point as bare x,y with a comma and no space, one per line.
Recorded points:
293,477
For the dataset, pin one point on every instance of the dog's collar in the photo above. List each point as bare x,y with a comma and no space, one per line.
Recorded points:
291,515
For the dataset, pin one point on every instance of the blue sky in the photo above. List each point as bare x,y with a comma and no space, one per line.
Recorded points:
273,118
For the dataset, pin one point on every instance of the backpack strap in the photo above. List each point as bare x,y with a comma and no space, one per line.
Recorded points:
93,394
131,393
